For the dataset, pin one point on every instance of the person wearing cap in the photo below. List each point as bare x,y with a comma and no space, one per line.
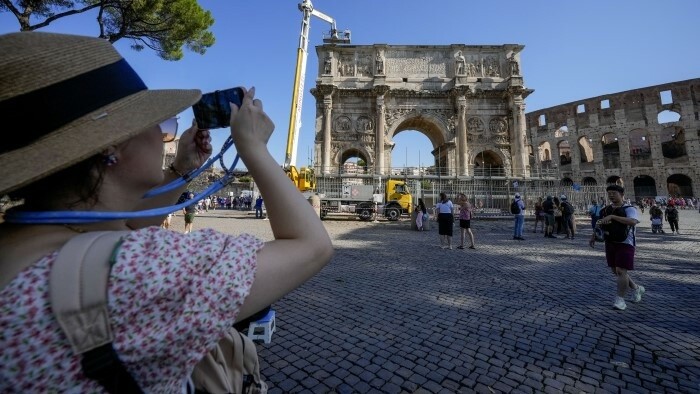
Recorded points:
82,132
620,255
519,221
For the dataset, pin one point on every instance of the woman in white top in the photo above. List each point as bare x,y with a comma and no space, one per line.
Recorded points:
445,219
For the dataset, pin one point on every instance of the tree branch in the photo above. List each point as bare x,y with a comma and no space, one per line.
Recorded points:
11,7
50,19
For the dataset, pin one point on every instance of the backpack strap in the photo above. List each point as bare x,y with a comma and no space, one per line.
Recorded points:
78,295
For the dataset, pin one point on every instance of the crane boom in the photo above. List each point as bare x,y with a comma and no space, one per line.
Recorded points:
308,11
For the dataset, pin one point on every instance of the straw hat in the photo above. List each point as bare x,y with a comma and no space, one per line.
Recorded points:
64,98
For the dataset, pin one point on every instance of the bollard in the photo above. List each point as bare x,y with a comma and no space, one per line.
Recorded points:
315,202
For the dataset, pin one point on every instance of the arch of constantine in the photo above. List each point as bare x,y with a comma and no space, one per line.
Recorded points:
647,139
468,100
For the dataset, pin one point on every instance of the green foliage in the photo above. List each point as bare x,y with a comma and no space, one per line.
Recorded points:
361,163
245,179
165,26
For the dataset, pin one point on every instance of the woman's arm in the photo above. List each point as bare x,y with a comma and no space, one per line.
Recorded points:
301,246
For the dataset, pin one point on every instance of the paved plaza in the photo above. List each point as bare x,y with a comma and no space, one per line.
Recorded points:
395,313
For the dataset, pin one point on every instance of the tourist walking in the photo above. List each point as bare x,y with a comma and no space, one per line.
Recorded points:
189,212
517,208
618,223
671,216
465,218
445,218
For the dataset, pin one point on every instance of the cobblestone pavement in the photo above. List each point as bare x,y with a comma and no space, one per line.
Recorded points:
394,313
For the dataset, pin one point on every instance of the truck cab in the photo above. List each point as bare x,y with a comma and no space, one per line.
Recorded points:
398,199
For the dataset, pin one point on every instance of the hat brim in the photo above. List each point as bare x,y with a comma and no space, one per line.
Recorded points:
90,134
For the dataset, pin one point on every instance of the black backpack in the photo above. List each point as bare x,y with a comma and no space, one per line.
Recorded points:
567,208
615,231
514,207
672,213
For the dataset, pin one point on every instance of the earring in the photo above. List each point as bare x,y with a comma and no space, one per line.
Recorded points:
110,159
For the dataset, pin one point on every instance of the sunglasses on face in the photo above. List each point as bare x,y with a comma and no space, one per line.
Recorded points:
169,129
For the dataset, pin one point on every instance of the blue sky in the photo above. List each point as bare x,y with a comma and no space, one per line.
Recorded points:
573,49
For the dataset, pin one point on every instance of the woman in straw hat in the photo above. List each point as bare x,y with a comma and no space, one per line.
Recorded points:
82,132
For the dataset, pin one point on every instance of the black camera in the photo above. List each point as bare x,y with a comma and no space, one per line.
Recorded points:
213,110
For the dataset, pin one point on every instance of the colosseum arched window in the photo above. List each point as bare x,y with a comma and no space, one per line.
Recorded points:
644,186
673,145
585,148
640,148
564,152
611,151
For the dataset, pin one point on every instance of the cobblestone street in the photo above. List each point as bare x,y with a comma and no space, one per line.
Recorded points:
394,313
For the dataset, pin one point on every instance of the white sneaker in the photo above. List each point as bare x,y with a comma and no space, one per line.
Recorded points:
620,303
638,293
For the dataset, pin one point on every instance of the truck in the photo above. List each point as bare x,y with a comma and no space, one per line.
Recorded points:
365,200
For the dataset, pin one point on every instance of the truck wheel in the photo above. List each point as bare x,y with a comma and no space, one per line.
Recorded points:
393,214
365,214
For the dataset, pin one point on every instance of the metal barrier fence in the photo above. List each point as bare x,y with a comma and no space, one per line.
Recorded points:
488,195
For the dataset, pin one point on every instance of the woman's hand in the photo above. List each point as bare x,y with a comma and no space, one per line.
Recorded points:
250,125
193,150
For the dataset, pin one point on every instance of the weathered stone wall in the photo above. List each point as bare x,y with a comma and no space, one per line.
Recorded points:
622,135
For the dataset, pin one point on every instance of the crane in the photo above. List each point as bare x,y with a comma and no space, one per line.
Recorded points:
303,178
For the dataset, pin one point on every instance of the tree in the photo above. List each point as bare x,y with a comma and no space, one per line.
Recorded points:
164,26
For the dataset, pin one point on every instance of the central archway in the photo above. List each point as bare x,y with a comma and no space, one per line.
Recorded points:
488,163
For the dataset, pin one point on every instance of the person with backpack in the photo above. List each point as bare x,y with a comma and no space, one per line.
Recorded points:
567,217
549,207
618,224
98,149
671,216
517,208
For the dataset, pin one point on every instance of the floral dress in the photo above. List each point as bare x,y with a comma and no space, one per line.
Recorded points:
171,297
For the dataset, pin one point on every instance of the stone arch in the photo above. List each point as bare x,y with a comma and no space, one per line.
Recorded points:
545,153
673,145
488,162
640,148
585,148
564,152
348,152
429,125
566,182
644,186
611,151
589,181
679,185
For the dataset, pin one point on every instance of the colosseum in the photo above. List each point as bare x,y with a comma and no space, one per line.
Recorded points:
647,139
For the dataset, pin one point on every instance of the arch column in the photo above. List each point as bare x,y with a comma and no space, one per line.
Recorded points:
462,160
518,151
327,125
380,91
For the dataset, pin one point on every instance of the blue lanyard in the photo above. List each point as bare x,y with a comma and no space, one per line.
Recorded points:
71,217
